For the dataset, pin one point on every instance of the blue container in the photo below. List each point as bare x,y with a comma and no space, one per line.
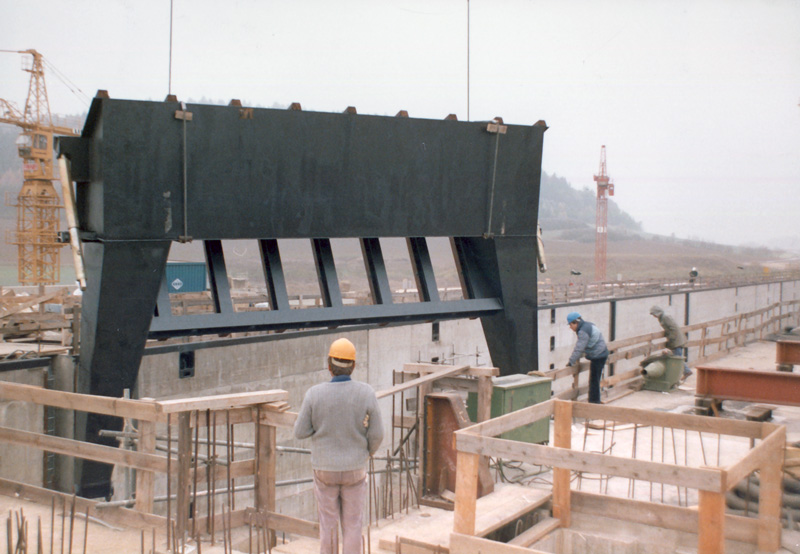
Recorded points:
186,276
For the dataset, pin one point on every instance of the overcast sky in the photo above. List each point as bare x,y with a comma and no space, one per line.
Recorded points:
695,100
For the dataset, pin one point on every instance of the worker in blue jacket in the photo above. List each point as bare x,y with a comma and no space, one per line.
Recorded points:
593,346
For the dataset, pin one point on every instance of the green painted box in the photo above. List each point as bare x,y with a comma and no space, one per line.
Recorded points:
514,392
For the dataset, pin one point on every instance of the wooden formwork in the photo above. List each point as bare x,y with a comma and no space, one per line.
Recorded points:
709,520
265,410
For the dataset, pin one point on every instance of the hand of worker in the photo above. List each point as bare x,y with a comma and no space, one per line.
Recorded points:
366,421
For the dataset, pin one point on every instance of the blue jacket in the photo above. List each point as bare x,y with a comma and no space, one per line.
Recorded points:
590,341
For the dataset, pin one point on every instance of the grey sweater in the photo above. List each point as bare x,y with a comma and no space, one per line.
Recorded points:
332,414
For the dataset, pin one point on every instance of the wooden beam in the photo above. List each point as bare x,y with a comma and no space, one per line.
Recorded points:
748,429
711,523
266,455
435,368
768,449
738,528
116,515
769,499
84,450
184,474
278,419
120,407
445,371
499,425
288,524
145,480
695,478
5,312
243,468
465,544
466,493
562,438
535,533
484,412
221,401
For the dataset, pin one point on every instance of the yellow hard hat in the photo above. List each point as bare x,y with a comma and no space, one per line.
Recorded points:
342,349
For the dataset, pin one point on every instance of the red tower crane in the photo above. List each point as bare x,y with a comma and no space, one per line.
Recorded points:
605,188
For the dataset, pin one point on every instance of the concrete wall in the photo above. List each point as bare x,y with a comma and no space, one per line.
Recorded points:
18,462
296,362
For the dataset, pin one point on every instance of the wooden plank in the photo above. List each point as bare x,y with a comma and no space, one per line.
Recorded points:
5,312
220,401
435,368
117,515
768,449
507,422
465,544
466,493
242,468
266,456
489,521
293,525
484,412
145,480
238,518
696,478
562,438
84,450
120,407
447,371
278,419
458,383
535,533
769,500
184,474
711,523
738,528
748,429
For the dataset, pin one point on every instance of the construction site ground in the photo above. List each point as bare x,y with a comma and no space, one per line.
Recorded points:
433,525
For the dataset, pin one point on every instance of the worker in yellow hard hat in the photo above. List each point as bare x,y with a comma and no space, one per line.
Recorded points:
343,419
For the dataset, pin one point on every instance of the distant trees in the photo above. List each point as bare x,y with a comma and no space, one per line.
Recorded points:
564,206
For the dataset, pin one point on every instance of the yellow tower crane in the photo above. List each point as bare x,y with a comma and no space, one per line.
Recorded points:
38,204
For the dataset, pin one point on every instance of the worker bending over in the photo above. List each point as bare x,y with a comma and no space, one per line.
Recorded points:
676,338
591,343
344,422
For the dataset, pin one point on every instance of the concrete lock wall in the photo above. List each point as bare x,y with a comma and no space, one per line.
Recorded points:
297,362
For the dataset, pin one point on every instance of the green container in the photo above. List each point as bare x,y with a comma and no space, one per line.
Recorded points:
186,276
671,375
514,392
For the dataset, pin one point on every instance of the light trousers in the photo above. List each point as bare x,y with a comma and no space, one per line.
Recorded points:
340,499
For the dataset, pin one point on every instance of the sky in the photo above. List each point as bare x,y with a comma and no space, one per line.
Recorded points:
696,101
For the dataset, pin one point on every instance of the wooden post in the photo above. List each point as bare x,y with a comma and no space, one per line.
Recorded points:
466,493
562,438
769,504
711,523
424,390
266,458
184,477
484,399
145,479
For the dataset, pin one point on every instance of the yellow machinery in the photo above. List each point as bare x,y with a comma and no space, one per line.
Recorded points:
38,204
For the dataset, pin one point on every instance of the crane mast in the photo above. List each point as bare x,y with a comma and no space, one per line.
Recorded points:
38,204
605,188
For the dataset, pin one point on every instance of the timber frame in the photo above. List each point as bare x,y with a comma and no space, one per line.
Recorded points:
265,410
709,520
